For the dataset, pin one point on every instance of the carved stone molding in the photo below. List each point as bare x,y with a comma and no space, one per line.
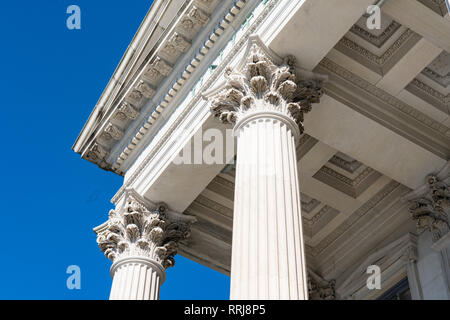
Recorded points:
96,154
112,132
376,39
146,90
136,230
177,43
437,6
344,162
406,36
217,72
157,69
430,95
264,82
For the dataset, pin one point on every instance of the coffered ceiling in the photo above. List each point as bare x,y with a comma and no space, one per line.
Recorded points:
338,192
437,6
393,76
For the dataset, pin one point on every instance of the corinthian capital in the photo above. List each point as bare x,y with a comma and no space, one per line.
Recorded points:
265,82
139,231
430,207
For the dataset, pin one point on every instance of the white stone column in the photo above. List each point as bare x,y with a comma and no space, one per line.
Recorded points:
265,100
268,256
142,244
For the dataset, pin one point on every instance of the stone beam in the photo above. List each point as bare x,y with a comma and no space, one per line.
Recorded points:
340,127
179,184
419,18
313,28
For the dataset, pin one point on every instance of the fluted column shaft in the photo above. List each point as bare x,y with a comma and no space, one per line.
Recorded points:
136,279
267,252
265,97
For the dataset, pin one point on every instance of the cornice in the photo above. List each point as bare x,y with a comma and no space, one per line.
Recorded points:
434,70
352,187
140,230
170,94
236,46
147,33
131,104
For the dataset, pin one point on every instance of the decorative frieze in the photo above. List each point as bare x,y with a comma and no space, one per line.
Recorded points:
441,98
323,211
135,97
158,68
112,132
177,43
264,84
96,153
197,16
145,89
126,111
346,164
137,231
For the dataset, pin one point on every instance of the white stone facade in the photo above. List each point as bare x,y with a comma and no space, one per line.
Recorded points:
342,147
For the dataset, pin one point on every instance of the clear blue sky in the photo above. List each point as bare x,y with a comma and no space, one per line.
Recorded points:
51,79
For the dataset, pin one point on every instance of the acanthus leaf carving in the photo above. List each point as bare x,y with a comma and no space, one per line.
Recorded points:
138,231
430,211
264,85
